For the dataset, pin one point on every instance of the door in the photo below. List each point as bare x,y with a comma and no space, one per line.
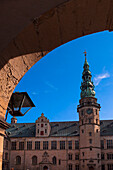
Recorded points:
45,168
91,168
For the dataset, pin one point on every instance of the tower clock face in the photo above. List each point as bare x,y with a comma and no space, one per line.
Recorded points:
89,111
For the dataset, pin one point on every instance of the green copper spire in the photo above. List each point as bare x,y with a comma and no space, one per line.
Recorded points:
87,87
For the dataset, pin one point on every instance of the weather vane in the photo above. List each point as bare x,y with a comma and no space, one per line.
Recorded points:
85,53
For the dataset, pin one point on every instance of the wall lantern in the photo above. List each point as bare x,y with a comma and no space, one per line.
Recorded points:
19,104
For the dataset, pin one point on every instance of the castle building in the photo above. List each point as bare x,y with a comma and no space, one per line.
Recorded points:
86,144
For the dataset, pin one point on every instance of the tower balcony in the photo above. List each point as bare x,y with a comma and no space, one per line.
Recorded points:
88,104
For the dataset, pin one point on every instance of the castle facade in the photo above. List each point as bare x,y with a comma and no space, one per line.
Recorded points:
86,144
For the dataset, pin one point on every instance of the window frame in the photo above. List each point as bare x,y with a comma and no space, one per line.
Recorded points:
62,145
45,145
29,145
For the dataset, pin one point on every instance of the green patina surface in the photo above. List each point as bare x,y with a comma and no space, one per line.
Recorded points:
87,86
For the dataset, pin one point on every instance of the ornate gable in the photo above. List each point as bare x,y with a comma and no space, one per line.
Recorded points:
42,126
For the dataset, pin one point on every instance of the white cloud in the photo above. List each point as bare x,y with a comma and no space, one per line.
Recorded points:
35,93
99,77
51,85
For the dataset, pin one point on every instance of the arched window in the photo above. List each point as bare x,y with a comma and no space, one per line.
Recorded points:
18,160
34,160
54,160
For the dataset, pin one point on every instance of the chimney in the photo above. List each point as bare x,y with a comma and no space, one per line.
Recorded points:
13,120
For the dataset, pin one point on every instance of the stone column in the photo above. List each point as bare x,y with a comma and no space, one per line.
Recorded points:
3,126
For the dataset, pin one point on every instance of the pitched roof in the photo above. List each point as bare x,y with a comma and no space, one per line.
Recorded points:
57,129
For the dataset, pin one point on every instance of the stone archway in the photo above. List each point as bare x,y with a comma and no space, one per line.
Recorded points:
67,21
30,36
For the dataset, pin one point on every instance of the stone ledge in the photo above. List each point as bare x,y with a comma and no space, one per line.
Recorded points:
4,125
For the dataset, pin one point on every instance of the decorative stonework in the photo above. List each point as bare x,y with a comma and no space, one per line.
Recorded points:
42,126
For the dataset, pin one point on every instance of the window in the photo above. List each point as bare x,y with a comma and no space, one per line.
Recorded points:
76,144
37,145
42,133
83,153
70,144
76,167
54,160
45,145
90,148
18,160
21,145
45,124
53,144
98,155
41,125
89,120
41,120
38,131
82,113
34,160
109,156
45,130
6,144
59,161
110,166
82,131
62,145
96,111
102,144
82,122
90,141
102,167
29,145
70,156
90,133
102,156
13,145
76,156
97,130
6,156
70,166
109,144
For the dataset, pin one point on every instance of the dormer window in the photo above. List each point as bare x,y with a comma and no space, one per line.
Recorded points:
41,120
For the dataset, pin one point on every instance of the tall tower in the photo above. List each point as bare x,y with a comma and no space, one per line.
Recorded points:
88,109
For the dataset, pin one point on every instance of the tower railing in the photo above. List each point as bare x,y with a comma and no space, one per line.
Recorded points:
88,104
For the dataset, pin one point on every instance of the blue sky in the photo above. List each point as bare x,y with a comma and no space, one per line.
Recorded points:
54,82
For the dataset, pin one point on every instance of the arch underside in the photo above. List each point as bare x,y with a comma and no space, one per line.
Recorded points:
63,23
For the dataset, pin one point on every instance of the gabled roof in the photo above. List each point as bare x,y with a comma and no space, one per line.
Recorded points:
106,127
64,128
21,130
57,129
